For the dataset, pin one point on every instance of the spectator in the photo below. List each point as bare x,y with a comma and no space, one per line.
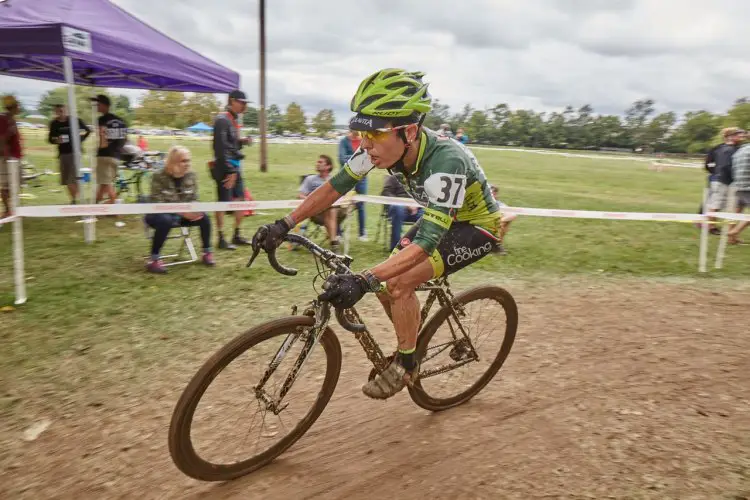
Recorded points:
10,148
398,213
504,222
445,130
722,157
226,167
741,177
113,132
176,183
348,145
461,136
142,143
59,133
332,217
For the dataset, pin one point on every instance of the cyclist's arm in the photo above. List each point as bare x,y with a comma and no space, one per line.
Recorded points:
316,202
340,184
397,265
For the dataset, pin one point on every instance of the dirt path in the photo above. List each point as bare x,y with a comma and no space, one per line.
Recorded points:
611,391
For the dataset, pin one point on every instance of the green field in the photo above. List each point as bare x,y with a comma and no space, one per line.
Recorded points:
98,294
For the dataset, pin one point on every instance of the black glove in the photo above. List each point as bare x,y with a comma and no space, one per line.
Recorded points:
344,290
269,236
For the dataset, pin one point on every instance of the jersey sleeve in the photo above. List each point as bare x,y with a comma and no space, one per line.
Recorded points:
445,188
353,171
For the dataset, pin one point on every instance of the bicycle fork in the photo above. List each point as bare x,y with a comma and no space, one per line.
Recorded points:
310,337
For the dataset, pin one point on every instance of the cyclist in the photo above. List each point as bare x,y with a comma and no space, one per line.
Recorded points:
460,225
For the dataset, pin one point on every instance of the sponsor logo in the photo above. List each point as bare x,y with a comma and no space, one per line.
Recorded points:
362,121
245,204
463,254
89,210
172,207
77,40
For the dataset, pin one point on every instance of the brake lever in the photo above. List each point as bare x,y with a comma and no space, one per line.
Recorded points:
253,256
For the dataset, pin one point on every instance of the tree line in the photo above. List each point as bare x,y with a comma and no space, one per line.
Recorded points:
640,127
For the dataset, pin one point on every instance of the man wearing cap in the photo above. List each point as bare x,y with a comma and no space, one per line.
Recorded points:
59,134
226,168
10,148
113,133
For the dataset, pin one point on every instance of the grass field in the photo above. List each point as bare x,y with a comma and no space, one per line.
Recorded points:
98,334
81,292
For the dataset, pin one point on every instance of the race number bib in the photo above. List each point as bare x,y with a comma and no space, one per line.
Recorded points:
446,190
114,134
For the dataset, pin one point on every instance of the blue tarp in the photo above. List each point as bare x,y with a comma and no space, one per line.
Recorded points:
200,127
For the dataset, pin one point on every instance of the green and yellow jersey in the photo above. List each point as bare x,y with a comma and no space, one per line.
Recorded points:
447,180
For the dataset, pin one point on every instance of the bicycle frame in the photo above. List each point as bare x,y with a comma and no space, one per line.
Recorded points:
438,289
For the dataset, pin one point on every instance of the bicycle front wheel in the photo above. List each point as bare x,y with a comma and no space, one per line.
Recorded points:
254,399
459,358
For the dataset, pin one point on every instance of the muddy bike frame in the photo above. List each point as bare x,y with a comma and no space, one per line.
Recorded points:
350,320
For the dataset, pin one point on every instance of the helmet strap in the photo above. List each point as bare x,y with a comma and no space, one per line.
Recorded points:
402,134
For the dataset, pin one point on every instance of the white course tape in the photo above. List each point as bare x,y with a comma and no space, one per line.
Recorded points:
592,157
571,214
159,208
8,220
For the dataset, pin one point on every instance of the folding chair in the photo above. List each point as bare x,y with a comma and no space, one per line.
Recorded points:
384,225
186,243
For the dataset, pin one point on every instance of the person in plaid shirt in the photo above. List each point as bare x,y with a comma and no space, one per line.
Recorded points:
741,174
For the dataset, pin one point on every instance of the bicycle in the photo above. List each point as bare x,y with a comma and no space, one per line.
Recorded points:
310,330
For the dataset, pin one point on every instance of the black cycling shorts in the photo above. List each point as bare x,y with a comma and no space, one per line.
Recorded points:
461,246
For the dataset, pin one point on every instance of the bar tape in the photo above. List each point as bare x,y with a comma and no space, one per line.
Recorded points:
158,208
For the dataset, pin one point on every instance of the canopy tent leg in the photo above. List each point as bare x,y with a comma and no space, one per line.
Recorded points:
18,265
262,111
703,255
75,133
90,222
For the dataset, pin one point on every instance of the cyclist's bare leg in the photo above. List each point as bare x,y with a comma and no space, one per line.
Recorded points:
402,306
385,301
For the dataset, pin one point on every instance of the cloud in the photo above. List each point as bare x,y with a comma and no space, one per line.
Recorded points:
538,54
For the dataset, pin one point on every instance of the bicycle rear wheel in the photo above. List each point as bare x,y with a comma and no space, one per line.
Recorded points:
454,368
283,343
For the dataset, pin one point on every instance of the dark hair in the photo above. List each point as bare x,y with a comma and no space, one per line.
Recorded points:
59,106
328,160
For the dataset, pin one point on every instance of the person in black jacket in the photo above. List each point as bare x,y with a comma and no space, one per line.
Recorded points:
226,167
59,134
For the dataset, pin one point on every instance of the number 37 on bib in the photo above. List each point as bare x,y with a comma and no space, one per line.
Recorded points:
446,190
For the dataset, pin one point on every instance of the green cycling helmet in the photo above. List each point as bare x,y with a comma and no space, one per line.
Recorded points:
393,95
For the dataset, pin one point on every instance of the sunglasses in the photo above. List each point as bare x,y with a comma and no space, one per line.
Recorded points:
379,134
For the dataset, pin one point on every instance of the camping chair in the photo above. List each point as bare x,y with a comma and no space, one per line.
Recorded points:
185,244
384,225
30,178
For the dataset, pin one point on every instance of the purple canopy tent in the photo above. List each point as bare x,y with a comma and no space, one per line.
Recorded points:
96,43
108,46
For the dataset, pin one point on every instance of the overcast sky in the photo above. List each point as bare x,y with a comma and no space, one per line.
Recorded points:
539,54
